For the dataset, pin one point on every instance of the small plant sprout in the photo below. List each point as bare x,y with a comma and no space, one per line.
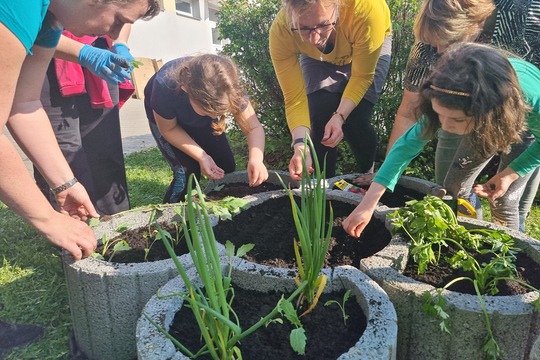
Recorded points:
211,303
136,63
117,245
341,305
313,235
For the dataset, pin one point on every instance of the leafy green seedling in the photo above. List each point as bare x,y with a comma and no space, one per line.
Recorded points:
117,245
136,63
341,305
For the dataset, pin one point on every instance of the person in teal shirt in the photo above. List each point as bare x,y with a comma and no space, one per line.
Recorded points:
492,99
29,33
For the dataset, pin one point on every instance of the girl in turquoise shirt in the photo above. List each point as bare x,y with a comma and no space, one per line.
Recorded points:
475,91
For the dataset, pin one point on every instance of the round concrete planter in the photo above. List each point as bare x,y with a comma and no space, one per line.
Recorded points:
377,342
515,324
106,298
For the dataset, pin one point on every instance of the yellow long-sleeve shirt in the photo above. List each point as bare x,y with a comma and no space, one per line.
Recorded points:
360,31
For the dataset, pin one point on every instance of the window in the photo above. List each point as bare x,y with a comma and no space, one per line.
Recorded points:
188,7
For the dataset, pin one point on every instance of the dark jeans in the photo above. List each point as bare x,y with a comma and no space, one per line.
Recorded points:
358,131
91,141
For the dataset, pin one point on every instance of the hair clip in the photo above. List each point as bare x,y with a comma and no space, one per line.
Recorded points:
451,92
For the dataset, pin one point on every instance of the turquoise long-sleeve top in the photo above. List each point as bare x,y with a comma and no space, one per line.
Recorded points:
410,144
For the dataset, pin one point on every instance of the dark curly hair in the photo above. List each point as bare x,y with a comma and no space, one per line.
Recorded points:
495,100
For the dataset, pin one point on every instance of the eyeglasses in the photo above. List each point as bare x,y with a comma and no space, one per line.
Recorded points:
306,31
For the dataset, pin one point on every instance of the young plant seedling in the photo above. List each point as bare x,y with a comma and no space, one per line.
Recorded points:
341,305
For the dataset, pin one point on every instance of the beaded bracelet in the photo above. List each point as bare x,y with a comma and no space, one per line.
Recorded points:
65,186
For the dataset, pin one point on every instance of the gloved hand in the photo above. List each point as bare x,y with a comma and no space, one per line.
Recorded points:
123,50
104,63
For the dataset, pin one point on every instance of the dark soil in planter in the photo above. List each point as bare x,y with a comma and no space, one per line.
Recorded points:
439,276
240,190
327,336
138,240
397,198
270,226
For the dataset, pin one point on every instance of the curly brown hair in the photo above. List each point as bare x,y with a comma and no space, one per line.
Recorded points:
213,82
495,100
449,21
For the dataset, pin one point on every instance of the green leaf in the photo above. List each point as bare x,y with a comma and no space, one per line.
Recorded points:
229,249
287,309
93,222
298,340
244,249
122,245
122,227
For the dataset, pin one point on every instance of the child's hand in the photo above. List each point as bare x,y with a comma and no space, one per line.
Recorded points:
210,169
257,173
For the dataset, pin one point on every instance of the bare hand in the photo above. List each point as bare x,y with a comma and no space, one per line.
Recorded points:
76,203
67,233
364,179
296,164
210,169
357,221
257,173
333,133
491,190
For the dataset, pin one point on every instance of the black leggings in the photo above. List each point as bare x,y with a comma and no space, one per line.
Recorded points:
183,165
358,131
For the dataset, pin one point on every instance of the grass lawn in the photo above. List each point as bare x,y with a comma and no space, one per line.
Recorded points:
32,286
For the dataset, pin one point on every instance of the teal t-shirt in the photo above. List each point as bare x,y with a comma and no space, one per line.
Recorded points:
410,144
28,21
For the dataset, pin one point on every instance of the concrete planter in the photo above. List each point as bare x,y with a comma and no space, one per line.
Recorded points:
415,186
241,176
106,298
377,342
515,324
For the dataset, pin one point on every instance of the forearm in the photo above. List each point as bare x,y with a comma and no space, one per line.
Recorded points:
372,196
30,126
345,108
180,139
124,35
255,140
17,188
68,49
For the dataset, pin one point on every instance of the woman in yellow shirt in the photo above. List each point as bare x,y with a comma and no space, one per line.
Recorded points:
331,58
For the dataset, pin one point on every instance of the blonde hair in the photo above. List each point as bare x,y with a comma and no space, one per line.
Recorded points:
479,80
298,8
450,21
213,82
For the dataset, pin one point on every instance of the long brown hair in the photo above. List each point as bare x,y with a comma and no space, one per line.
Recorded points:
213,82
450,21
480,81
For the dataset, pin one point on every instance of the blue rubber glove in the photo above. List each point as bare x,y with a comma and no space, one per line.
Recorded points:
123,50
104,63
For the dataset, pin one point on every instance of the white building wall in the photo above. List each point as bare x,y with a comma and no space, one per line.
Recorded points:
171,35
